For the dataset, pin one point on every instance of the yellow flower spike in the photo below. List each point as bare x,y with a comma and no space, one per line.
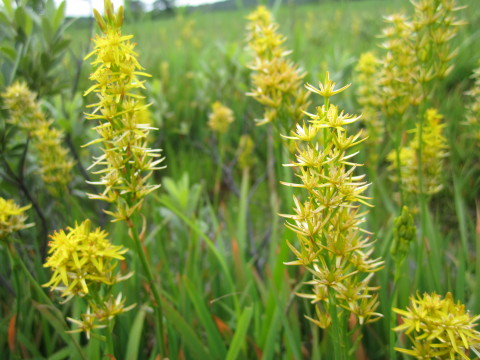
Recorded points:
55,162
276,81
331,243
434,151
438,328
12,217
80,258
124,125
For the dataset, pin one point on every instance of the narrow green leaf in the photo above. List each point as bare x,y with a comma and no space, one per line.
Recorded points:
210,244
271,336
238,340
9,8
59,16
135,335
61,354
215,342
20,17
189,336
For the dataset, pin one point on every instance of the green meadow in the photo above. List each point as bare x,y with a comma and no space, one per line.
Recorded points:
276,224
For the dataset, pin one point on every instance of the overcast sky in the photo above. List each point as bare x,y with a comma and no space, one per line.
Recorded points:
84,7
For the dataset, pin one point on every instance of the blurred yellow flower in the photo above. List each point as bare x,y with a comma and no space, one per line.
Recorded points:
438,328
12,217
220,118
276,81
434,148
55,162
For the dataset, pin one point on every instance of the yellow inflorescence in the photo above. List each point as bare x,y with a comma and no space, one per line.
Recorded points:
435,25
433,151
417,51
396,88
127,162
55,163
220,118
81,259
276,81
332,244
439,328
12,217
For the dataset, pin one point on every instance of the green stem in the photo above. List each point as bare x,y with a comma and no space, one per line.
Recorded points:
477,260
218,175
109,350
157,307
397,143
392,315
338,331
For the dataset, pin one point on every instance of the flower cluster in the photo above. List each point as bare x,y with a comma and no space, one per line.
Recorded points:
276,81
98,315
435,25
433,150
332,244
220,118
127,162
417,51
55,163
83,262
438,328
81,259
12,217
396,88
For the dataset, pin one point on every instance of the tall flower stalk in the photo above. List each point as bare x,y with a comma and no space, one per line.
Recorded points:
331,243
127,162
219,121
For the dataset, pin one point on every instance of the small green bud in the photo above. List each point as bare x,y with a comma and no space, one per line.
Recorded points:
109,10
404,232
120,16
101,23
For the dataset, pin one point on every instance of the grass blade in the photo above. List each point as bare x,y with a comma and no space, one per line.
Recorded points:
239,337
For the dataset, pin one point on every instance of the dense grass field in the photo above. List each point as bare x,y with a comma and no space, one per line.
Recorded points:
272,224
